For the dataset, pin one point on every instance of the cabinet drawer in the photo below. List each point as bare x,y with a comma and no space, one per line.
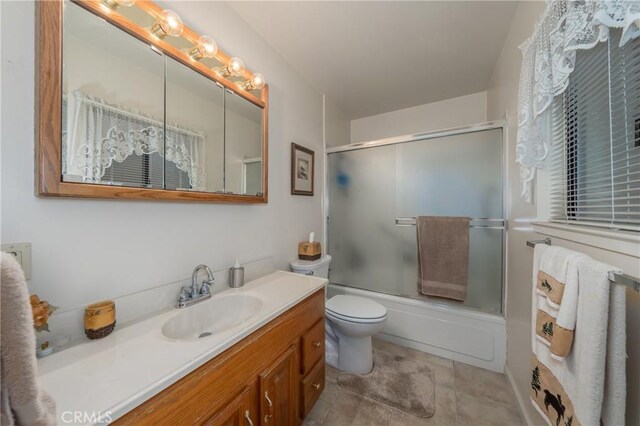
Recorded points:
311,388
312,346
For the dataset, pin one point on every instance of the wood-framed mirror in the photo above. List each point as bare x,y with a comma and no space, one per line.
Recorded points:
127,111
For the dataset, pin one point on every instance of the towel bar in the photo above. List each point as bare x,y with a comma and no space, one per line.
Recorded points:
614,277
532,243
411,221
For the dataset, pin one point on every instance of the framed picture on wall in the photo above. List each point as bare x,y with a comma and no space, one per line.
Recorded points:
302,170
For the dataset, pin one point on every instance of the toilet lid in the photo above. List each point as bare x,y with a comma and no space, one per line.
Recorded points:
355,307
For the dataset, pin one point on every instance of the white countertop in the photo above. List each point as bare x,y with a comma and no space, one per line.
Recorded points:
104,379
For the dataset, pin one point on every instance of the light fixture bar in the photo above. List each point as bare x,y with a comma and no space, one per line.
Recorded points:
161,28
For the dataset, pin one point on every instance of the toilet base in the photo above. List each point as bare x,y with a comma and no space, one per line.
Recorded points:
355,354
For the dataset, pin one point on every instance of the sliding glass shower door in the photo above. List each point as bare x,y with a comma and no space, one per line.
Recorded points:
375,194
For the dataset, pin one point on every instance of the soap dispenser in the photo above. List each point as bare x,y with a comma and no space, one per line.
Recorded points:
236,275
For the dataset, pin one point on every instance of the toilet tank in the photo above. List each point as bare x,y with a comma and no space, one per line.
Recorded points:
317,268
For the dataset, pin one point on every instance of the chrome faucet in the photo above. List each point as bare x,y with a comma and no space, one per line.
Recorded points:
192,294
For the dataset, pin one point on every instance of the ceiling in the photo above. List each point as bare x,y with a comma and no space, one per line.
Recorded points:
375,57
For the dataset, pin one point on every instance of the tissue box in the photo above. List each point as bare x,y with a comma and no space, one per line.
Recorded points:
309,251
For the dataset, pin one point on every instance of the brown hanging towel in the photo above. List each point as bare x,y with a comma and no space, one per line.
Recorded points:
443,256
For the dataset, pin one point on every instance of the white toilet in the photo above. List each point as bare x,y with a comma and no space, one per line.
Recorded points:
351,321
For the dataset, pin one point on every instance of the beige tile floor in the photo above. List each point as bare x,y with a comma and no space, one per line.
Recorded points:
465,395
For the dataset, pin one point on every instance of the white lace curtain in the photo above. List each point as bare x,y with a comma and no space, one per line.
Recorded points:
100,133
548,60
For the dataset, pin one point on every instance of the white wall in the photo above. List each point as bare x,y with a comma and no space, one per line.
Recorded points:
455,112
337,124
87,250
502,96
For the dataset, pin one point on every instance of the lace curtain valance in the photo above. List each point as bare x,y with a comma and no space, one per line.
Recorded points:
548,60
100,133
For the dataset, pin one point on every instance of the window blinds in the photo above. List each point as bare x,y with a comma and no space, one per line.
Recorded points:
595,156
146,171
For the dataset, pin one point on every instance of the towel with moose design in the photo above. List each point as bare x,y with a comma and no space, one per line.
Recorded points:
578,340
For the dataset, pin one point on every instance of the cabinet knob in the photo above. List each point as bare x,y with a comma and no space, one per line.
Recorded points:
316,344
316,386
269,403
248,417
267,418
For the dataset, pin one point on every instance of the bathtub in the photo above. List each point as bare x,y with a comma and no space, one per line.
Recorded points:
453,332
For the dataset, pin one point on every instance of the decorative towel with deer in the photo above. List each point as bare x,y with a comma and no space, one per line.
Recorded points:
578,340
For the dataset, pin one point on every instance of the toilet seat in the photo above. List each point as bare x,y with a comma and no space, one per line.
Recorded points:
355,309
332,315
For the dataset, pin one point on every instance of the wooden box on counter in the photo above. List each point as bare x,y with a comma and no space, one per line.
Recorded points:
309,251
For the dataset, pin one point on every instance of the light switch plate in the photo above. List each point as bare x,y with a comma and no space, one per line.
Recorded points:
22,253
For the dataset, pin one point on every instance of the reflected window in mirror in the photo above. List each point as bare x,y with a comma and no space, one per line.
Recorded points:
113,95
147,171
196,103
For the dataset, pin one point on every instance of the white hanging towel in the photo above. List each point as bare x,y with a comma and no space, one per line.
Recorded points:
556,297
569,389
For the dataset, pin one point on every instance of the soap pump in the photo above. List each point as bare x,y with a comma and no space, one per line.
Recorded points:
236,275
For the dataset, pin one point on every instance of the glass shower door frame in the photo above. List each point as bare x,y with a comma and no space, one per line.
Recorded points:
498,124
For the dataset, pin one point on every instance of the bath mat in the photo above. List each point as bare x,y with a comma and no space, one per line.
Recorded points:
400,382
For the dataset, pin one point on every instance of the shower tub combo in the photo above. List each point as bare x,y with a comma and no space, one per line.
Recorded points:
375,191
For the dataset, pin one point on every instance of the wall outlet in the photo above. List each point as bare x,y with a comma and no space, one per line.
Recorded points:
22,253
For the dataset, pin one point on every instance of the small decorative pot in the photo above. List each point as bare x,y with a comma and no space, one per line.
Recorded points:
99,319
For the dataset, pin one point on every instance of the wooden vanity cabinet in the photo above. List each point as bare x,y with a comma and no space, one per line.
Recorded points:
271,377
278,390
236,413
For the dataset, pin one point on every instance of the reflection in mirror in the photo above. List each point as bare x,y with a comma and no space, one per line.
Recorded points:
243,146
112,105
252,176
195,130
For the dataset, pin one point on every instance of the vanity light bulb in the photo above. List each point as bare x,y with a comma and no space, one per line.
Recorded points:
169,23
256,83
235,66
206,47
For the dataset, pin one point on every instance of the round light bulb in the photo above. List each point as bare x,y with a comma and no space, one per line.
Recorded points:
257,81
170,23
235,66
206,47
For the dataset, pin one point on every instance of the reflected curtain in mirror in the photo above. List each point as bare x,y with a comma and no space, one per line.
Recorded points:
100,134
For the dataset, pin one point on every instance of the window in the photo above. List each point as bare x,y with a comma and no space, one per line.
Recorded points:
146,171
595,152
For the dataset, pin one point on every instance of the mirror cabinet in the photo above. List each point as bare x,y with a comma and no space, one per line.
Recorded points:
131,106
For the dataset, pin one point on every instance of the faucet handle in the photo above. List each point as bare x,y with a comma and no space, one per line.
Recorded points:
185,294
205,289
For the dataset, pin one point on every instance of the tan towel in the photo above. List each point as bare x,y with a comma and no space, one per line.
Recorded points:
23,401
443,256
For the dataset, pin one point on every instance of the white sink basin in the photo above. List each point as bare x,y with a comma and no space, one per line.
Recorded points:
210,317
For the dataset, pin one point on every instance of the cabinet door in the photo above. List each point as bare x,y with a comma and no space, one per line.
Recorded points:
278,390
236,412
